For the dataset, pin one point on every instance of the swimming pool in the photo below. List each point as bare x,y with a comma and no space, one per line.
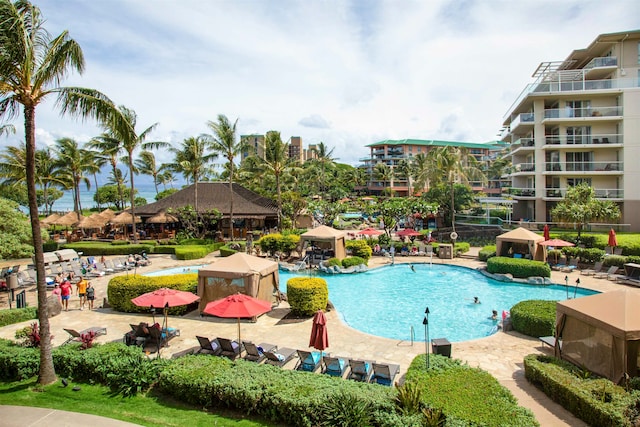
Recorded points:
390,300
176,270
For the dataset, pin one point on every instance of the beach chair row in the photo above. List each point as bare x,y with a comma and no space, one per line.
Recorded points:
309,361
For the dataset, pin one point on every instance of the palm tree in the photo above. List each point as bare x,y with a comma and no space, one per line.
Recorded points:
324,160
96,160
383,172
192,161
146,165
32,65
405,170
110,148
421,171
223,142
74,161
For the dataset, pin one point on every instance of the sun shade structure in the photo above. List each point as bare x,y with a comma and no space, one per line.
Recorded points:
370,232
601,332
239,273
92,222
162,218
556,243
68,220
238,306
48,220
521,240
124,218
329,236
165,298
319,337
408,232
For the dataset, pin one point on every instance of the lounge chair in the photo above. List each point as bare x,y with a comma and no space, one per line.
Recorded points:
612,270
361,370
309,360
255,353
159,338
573,264
208,346
77,336
617,251
24,279
592,271
335,366
230,349
608,250
280,356
384,374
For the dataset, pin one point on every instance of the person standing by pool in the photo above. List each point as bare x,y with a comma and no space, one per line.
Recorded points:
56,292
91,295
65,293
81,290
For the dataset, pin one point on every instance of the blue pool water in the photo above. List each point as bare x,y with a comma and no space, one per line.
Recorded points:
176,270
388,301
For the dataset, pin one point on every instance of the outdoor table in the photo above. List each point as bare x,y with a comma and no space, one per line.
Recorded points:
441,346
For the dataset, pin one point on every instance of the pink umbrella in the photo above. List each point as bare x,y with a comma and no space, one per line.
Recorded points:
370,232
545,232
613,241
165,298
319,338
408,232
556,243
237,305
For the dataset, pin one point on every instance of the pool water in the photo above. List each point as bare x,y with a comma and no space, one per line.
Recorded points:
176,270
390,300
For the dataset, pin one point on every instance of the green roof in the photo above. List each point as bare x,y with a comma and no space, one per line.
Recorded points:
492,145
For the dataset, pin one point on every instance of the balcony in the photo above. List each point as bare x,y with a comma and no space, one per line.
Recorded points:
519,192
601,193
601,67
577,82
524,119
573,113
525,167
611,167
523,144
601,140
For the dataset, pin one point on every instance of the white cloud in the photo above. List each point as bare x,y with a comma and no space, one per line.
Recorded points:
347,73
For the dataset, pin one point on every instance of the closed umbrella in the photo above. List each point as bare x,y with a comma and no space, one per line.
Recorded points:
545,232
237,305
165,298
613,240
319,338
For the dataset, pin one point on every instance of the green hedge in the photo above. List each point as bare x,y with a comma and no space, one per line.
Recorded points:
597,401
101,248
306,295
467,396
17,362
487,252
536,318
585,255
191,252
353,261
122,289
360,248
518,267
276,242
165,249
617,260
231,248
17,315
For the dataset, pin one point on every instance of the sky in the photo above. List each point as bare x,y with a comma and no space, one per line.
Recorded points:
346,73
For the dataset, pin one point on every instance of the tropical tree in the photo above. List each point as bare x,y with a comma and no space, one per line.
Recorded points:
109,148
32,65
15,232
325,161
440,195
405,170
223,141
580,207
383,172
95,162
421,171
146,165
73,161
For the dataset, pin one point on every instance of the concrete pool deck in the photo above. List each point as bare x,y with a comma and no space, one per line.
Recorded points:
500,354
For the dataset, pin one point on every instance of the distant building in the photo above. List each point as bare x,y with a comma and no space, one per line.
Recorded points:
579,122
255,146
391,152
295,149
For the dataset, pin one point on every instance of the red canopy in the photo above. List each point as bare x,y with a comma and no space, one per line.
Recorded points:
557,243
545,232
613,241
319,338
165,297
408,232
370,232
237,305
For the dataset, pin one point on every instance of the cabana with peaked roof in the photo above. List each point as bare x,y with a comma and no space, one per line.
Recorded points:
601,333
246,274
332,238
521,241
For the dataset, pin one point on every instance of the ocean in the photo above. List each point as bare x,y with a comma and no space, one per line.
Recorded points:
65,203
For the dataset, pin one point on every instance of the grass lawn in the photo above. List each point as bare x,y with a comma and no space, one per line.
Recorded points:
148,410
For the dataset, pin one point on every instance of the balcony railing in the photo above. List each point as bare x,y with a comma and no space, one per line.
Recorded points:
524,118
522,192
601,193
583,166
613,138
525,167
572,85
568,112
604,61
522,142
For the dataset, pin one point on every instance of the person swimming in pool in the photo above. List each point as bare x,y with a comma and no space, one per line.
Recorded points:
412,268
494,315
476,300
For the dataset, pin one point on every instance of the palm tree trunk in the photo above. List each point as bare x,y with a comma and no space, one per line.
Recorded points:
132,198
231,199
453,212
47,373
95,178
279,192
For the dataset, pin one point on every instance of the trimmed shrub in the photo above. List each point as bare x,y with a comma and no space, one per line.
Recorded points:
306,295
461,248
359,248
276,242
334,261
17,362
50,246
165,249
487,252
597,401
611,260
17,315
192,252
353,261
536,318
518,267
113,248
122,289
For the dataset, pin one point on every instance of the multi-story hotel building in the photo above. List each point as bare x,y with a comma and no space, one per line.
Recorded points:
579,121
255,145
392,152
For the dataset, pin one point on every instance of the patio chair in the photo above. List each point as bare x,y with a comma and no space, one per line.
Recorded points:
617,251
103,267
612,270
24,279
208,346
361,370
255,353
77,336
279,357
335,366
608,250
384,374
159,338
592,271
309,360
573,264
229,349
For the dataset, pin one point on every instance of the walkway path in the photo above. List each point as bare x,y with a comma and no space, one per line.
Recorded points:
500,354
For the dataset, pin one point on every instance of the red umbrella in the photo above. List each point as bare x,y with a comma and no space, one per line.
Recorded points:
165,298
557,243
408,232
237,305
370,232
545,232
613,241
319,338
